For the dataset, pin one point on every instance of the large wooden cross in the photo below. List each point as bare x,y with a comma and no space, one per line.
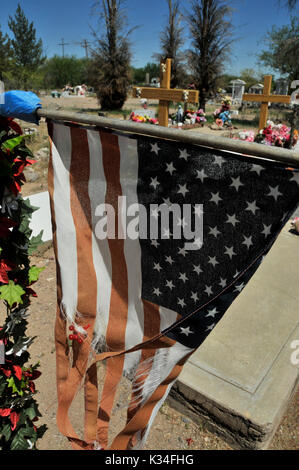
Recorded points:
265,99
165,94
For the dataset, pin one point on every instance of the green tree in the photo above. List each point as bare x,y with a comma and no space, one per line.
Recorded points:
282,52
5,53
250,77
171,41
59,71
27,49
139,74
109,71
211,36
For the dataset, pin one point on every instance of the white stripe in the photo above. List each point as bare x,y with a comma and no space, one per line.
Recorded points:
65,233
164,362
97,187
167,316
132,251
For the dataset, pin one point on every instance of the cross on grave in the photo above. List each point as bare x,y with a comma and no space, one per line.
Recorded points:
165,94
265,99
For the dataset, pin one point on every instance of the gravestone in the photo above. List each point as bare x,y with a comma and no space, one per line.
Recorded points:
238,88
256,89
145,112
282,86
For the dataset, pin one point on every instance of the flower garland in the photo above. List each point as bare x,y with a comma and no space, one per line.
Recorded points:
18,407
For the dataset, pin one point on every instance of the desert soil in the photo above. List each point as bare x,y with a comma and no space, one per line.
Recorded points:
171,429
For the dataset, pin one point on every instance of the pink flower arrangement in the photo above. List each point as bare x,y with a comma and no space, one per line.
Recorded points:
273,134
191,117
276,134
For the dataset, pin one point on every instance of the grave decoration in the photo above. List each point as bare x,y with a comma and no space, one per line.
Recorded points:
165,94
222,116
273,134
19,411
189,117
265,98
144,117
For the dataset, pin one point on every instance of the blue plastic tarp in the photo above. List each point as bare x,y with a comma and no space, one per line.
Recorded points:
21,105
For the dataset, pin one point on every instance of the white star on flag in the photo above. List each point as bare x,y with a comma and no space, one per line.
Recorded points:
155,148
201,175
183,189
184,154
251,206
186,331
230,251
170,168
231,219
236,183
212,313
274,192
181,302
154,182
215,198
247,241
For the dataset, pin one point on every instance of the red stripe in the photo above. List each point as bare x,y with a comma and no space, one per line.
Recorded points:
116,328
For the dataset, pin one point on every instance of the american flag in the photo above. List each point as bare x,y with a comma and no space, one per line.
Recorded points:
146,304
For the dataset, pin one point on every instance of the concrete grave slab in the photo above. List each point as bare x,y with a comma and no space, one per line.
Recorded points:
241,379
41,219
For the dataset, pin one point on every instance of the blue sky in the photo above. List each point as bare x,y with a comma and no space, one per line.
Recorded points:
71,20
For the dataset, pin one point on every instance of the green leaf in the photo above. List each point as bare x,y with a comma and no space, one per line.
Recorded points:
33,273
31,412
19,442
12,143
27,208
6,431
11,293
24,226
11,383
35,242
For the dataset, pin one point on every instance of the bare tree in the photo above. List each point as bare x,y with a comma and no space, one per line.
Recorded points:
110,66
211,32
171,40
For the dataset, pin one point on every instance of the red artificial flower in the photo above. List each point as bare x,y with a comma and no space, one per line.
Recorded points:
4,268
14,126
31,386
14,418
5,412
5,371
35,374
18,372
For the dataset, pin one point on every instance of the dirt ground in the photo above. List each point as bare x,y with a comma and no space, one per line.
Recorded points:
171,429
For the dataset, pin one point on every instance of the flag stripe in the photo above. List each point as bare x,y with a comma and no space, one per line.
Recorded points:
65,227
101,254
132,250
116,328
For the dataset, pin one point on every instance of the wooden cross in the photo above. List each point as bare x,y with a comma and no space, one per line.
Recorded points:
265,99
165,94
